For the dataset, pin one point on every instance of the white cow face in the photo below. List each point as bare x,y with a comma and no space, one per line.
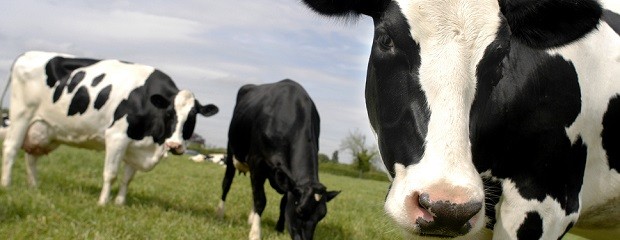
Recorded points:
180,118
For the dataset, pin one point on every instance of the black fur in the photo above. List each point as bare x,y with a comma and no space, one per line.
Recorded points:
275,130
102,97
611,133
79,102
550,23
144,118
531,228
97,80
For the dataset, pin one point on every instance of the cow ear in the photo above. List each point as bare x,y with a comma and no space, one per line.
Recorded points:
550,23
348,7
208,110
160,101
331,195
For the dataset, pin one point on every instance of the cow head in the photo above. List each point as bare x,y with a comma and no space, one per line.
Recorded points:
180,117
431,63
305,207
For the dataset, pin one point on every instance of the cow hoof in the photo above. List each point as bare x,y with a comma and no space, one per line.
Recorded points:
119,200
220,210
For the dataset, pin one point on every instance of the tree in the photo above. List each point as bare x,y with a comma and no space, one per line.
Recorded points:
335,156
362,154
323,158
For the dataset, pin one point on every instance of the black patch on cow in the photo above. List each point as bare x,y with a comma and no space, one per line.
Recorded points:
80,102
611,133
75,80
550,23
531,228
60,68
97,80
102,97
520,132
59,89
143,117
190,123
395,101
613,19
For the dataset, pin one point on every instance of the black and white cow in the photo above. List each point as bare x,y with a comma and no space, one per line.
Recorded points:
134,112
274,134
496,113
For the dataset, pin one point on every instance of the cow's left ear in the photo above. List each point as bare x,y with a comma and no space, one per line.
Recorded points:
208,110
550,23
160,101
331,195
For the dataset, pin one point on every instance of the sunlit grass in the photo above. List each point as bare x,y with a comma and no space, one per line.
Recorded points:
177,200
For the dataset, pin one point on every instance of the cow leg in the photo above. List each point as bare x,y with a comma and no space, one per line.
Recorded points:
115,150
122,192
281,219
31,169
13,142
228,178
258,193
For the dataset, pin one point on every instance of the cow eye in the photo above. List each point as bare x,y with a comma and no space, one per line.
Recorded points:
385,42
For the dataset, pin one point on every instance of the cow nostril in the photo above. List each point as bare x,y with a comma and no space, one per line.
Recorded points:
425,201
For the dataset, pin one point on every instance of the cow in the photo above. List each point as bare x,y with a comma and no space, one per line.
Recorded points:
274,134
134,112
217,158
497,114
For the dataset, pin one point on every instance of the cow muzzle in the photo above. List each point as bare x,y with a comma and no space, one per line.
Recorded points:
442,218
175,148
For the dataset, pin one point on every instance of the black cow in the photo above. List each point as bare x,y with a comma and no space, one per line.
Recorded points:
274,134
496,113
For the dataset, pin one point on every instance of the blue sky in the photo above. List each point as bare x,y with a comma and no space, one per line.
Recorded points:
211,48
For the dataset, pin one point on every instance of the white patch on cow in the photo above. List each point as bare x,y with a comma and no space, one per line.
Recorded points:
317,197
221,207
596,58
513,209
254,221
241,166
453,36
184,102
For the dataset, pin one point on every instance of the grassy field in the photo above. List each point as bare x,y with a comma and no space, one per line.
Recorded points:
176,200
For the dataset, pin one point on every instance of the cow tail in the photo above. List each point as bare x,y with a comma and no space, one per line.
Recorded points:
6,87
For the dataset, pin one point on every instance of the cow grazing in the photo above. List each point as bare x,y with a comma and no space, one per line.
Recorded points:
502,114
134,112
274,134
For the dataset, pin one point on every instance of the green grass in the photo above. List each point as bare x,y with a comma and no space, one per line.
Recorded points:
176,200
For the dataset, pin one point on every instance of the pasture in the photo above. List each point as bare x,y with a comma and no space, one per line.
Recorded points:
177,200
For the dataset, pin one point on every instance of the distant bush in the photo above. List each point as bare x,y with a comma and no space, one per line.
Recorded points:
351,171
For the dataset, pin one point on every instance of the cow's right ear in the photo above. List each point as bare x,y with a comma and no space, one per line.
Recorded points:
343,8
160,101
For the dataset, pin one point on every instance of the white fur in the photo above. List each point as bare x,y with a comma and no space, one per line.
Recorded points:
254,221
